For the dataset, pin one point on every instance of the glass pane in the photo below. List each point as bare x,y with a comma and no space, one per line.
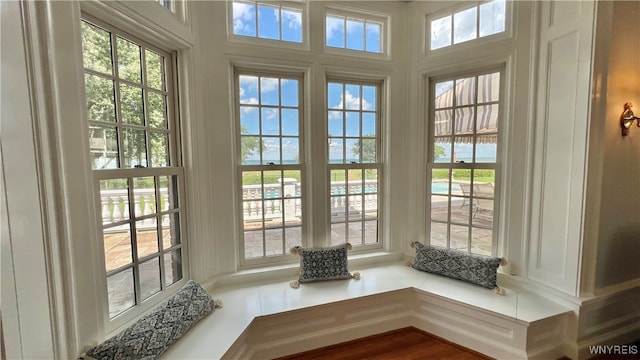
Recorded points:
274,242
134,148
441,32
146,237
492,17
129,60
244,19
338,206
464,120
373,37
338,182
168,192
442,150
253,244
292,25
290,122
465,91
251,149
271,151
355,181
481,240
157,110
149,278
290,150
121,292
249,121
335,31
459,238
114,200
353,123
117,247
355,233
289,89
131,109
443,122
100,97
489,88
486,149
353,150
369,98
370,232
293,237
336,123
487,119
159,149
352,97
155,71
336,150
369,124
443,94
170,230
438,235
172,267
355,34
144,195
273,209
268,22
439,208
464,25
269,91
368,150
103,142
338,233
460,208
355,209
96,49
248,87
270,121
463,149
335,96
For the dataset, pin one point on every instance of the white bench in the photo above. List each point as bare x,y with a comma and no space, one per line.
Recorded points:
272,319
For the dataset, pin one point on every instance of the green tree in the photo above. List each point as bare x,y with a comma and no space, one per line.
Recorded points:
368,149
249,144
438,152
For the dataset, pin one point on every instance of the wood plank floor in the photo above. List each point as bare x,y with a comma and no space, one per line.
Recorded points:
402,344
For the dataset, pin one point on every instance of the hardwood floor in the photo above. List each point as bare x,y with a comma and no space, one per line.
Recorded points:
401,344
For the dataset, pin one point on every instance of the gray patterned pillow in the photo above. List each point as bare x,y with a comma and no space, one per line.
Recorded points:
150,336
326,263
476,269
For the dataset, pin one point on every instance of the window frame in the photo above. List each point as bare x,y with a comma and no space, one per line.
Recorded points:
472,165
278,43
378,164
465,45
365,16
300,76
174,167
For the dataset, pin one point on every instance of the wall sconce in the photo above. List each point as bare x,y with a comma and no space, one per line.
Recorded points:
627,118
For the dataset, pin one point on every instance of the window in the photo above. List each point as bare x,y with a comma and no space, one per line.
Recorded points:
465,117
271,170
166,3
267,21
472,23
353,118
133,147
357,33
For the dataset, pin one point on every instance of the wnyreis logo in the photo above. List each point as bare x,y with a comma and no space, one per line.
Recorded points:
614,350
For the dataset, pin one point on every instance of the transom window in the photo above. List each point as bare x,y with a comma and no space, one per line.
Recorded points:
464,128
353,118
472,23
269,111
132,137
359,33
267,21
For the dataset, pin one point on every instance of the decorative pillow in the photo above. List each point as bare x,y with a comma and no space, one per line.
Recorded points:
327,263
476,269
150,336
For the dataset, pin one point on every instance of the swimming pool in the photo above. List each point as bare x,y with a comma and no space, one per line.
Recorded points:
439,187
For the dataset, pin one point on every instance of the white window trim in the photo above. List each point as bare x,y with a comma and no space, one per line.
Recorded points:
258,41
466,45
384,19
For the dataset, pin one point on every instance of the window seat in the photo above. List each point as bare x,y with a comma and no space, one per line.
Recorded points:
272,319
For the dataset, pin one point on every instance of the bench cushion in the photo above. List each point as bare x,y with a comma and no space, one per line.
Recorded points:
326,263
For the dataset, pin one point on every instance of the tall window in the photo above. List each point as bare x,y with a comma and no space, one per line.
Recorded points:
270,132
267,21
464,123
133,147
353,115
479,21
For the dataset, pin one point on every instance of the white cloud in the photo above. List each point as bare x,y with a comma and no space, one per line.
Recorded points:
334,26
293,19
243,17
268,84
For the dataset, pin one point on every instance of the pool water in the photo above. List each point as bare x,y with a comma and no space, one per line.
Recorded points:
439,187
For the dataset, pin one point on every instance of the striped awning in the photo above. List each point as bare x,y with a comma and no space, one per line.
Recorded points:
459,120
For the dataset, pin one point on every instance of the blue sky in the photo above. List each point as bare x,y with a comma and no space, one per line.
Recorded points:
465,27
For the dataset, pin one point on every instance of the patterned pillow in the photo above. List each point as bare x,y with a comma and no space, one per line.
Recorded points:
327,263
150,336
476,269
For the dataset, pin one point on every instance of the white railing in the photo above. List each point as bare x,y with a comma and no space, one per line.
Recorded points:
115,206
